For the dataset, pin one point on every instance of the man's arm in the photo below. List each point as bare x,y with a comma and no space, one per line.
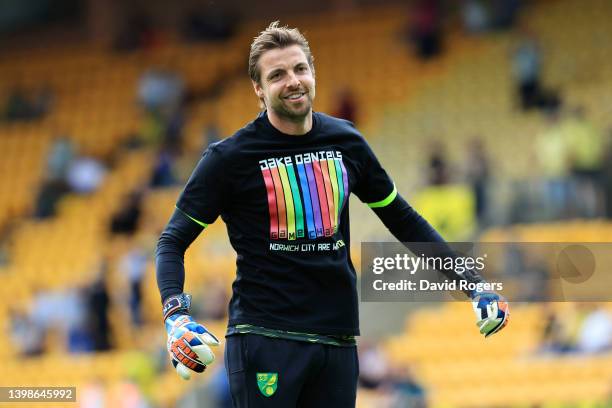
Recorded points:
188,342
491,309
375,188
408,226
200,203
179,233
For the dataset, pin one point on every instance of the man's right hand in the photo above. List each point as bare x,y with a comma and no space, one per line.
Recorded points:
188,342
189,345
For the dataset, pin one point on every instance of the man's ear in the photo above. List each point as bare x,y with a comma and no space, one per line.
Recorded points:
257,89
260,94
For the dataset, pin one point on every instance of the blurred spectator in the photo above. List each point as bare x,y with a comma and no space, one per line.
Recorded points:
62,311
24,106
527,68
607,173
27,336
595,335
5,231
153,129
49,194
528,269
406,390
347,106
98,304
163,172
438,165
43,101
426,28
132,141
126,219
213,24
49,307
552,158
570,156
374,367
585,154
585,142
173,138
92,395
54,185
59,158
85,174
160,89
79,338
555,337
161,93
133,265
18,107
478,172
475,16
504,13
138,32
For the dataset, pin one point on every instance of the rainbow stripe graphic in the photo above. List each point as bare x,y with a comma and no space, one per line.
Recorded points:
306,196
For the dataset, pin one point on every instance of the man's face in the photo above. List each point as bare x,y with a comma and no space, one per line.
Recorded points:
287,83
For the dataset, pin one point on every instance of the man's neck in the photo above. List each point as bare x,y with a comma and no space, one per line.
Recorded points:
289,127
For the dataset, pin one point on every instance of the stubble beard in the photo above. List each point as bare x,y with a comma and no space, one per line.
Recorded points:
293,115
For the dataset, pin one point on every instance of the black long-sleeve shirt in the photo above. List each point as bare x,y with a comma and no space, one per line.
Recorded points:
284,200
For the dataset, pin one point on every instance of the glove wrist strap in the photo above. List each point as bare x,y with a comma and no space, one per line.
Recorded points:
177,304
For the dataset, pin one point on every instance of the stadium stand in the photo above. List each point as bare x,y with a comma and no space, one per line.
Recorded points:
465,92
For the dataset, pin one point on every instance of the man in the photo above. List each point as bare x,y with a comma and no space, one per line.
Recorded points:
281,184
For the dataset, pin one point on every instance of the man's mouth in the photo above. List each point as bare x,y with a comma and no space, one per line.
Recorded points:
295,96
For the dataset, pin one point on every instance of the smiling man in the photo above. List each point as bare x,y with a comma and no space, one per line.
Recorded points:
283,79
281,184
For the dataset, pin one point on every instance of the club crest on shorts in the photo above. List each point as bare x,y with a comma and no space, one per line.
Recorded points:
267,383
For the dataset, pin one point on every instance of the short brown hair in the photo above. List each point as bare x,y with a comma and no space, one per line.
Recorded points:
276,37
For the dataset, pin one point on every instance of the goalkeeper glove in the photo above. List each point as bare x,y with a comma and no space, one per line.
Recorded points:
188,342
492,312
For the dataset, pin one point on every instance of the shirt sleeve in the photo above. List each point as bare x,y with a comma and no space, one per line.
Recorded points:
374,187
179,233
409,227
203,198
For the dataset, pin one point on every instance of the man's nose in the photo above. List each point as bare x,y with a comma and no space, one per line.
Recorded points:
293,81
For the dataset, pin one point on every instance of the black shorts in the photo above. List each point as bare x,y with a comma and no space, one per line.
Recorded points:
271,372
